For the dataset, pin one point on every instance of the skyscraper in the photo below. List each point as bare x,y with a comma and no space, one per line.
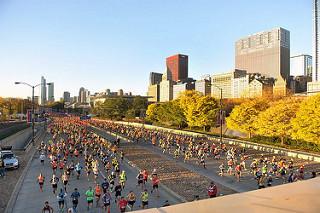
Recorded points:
155,78
166,86
51,92
301,65
43,91
82,94
66,96
315,43
267,53
178,65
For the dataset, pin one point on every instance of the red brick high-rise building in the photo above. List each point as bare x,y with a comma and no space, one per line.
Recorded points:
178,65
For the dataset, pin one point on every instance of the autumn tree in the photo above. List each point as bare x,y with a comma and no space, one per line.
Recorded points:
306,124
188,102
243,116
173,113
276,120
206,108
154,112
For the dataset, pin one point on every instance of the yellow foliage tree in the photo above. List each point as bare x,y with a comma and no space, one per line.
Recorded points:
276,120
243,116
306,124
188,102
154,112
206,108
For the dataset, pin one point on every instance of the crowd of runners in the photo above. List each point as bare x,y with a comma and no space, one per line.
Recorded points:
70,142
233,161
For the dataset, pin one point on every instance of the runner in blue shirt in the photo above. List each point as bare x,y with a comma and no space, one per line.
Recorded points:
78,169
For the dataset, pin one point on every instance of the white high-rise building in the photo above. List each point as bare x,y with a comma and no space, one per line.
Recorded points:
301,65
315,43
43,91
51,92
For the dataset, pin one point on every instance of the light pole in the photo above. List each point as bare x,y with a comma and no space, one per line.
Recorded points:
32,117
220,114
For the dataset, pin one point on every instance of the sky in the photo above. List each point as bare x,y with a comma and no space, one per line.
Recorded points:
104,44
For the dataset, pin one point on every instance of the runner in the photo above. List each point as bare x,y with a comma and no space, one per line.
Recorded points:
238,171
42,157
61,166
54,166
123,179
106,197
212,190
145,177
104,185
131,198
41,181
65,180
97,192
54,182
75,199
61,196
88,169
144,198
89,195
118,190
121,157
111,178
221,167
78,169
123,204
95,172
140,179
155,182
47,208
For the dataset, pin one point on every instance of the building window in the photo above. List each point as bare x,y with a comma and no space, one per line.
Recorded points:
242,44
269,37
261,39
278,35
249,42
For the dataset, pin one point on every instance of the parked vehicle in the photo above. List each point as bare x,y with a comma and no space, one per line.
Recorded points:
9,158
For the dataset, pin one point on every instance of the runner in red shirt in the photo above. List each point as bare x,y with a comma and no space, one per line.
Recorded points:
145,177
155,185
212,190
122,204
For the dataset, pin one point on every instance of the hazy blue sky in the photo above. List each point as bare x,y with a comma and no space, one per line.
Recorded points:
116,44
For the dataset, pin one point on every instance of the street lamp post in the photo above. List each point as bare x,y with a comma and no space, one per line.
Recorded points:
33,116
220,113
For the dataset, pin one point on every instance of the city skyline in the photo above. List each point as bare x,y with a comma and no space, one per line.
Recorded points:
74,50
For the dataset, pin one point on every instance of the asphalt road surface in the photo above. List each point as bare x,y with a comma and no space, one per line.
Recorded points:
30,199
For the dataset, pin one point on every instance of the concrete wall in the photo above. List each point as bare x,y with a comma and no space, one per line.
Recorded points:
19,140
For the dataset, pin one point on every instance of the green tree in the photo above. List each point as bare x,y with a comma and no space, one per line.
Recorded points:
243,116
306,124
276,120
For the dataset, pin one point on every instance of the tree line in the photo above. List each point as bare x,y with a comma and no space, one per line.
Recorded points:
190,109
289,118
119,108
9,106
